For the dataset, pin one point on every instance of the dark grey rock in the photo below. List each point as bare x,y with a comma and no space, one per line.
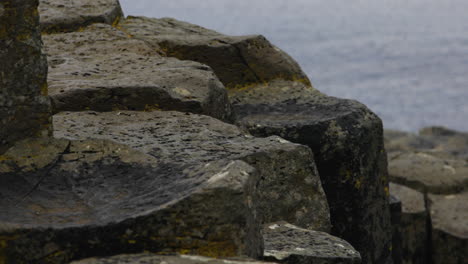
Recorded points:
413,226
290,244
66,16
24,105
346,139
428,173
237,61
101,68
449,214
63,200
155,259
156,181
290,188
395,213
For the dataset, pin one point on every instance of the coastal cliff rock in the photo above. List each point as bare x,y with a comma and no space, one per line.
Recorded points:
24,105
66,16
272,96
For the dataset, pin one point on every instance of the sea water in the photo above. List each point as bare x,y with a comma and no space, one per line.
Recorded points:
407,60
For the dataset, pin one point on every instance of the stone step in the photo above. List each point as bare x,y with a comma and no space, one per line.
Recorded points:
124,182
101,68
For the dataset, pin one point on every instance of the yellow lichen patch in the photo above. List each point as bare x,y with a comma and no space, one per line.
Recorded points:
131,241
116,21
218,249
152,107
387,192
44,89
4,158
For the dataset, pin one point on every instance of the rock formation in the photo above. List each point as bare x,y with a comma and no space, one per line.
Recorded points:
177,141
431,171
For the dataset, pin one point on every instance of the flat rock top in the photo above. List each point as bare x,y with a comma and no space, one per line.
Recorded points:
428,173
155,259
280,103
167,135
412,201
283,240
449,213
102,68
69,15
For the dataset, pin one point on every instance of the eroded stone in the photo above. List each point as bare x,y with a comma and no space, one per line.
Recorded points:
290,188
71,15
63,200
101,68
449,214
237,61
287,243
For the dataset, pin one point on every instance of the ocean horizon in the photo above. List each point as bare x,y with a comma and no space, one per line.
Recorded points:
407,60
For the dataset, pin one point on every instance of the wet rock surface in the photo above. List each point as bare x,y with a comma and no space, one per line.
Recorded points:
101,68
154,259
428,173
287,243
24,107
237,61
66,16
449,214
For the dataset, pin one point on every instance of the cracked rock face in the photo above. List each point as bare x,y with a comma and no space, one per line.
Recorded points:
103,69
124,182
287,243
66,16
237,61
449,228
24,106
154,259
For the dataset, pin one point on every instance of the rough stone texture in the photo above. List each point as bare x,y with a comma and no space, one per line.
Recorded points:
346,139
395,213
290,188
63,200
272,96
155,259
290,244
428,173
70,15
237,61
413,225
24,107
101,68
449,214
